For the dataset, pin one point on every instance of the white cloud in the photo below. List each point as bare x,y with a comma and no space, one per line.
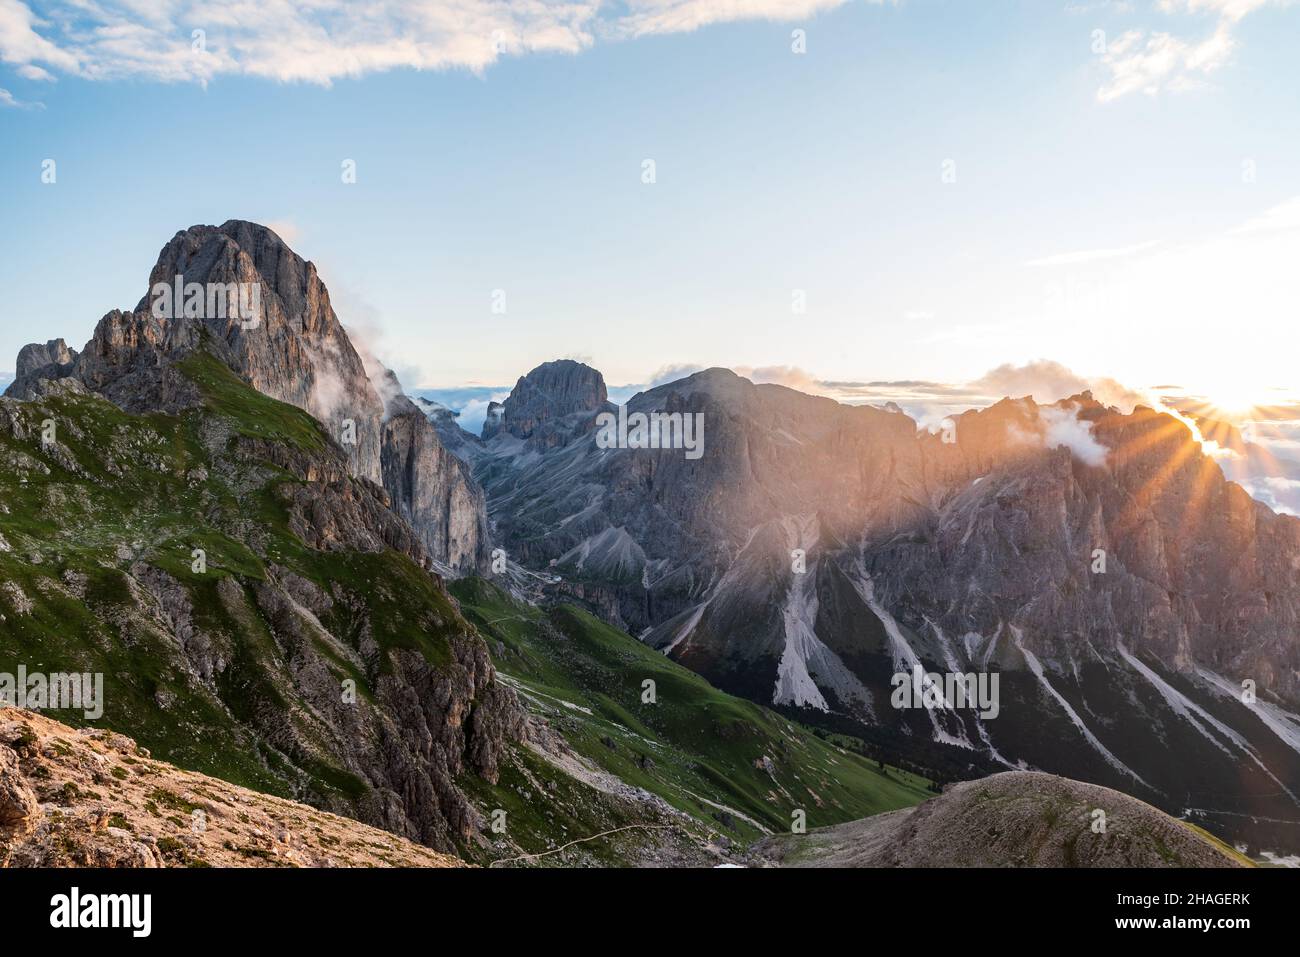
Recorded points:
1279,494
1046,381
325,40
286,229
21,44
1063,427
1232,10
9,100
1159,62
1043,380
679,16
1162,62
672,373
791,377
473,413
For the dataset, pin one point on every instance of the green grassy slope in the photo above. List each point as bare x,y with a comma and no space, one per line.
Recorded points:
702,744
115,490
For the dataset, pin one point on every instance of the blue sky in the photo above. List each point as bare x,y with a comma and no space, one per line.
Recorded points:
1125,205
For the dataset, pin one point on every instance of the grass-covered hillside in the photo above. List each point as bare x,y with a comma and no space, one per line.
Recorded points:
257,613
732,765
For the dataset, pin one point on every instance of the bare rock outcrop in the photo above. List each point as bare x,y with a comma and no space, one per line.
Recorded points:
90,798
433,489
552,406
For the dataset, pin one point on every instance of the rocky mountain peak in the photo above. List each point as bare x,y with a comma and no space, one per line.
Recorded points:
710,379
238,291
241,292
492,421
720,383
294,347
554,403
50,359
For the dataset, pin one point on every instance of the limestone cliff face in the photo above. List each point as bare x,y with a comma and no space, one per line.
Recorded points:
661,530
492,422
1197,573
289,344
995,527
433,489
551,406
53,360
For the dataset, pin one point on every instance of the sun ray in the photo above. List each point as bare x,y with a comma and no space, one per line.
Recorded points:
1146,497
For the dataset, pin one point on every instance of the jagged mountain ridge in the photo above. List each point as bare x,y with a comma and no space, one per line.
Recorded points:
974,554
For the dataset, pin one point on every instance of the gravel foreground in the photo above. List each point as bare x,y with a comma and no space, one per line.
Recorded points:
94,798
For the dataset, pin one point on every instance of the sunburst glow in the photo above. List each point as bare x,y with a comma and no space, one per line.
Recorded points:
1236,401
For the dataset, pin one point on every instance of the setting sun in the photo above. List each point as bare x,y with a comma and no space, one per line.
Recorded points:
1234,399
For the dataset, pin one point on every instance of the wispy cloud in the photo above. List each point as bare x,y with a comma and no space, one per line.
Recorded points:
672,373
319,42
1047,381
286,229
790,376
1154,62
29,72
1063,427
678,16
1161,62
1232,10
21,44
7,99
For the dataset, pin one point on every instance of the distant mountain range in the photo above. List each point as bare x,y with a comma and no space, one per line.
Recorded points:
817,550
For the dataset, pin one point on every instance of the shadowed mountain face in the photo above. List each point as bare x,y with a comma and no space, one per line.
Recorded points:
288,344
1097,562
